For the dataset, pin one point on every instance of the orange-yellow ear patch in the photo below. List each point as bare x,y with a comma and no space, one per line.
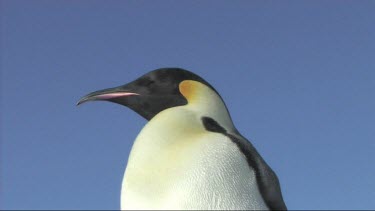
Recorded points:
188,89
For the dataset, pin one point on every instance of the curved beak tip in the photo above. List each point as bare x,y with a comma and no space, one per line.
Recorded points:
87,98
81,101
78,103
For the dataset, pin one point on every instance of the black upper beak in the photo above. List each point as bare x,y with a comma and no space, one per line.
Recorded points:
106,94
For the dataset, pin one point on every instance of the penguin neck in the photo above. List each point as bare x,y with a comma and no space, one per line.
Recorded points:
203,101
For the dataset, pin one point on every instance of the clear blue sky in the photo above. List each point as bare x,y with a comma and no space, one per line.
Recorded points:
298,78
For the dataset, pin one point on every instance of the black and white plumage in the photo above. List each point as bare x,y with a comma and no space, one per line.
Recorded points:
189,155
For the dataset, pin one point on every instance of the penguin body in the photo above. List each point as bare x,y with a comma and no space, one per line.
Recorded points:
177,159
189,155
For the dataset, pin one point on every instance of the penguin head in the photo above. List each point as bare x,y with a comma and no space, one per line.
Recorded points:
153,92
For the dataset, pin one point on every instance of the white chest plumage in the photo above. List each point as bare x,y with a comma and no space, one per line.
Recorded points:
176,164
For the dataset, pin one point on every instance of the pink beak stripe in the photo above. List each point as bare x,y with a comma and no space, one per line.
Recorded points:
114,95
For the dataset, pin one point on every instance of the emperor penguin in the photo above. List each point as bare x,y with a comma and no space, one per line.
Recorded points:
189,155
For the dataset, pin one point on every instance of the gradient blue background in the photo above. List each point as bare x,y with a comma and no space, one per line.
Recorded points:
297,76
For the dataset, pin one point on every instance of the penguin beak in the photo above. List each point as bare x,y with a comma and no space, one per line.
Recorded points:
106,94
